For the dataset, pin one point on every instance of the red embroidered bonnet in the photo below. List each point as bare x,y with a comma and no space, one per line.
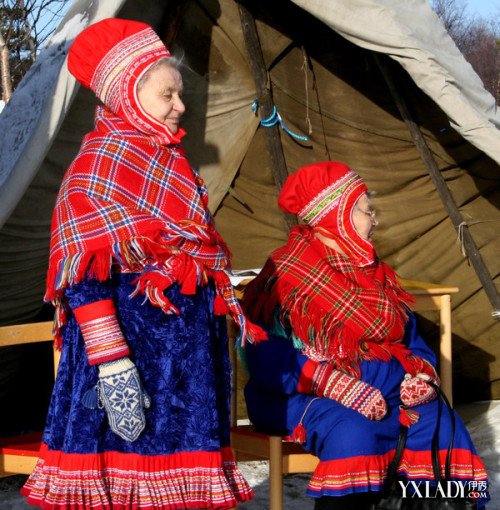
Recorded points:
110,57
323,195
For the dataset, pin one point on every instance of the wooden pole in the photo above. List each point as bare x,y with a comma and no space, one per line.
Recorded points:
469,245
265,99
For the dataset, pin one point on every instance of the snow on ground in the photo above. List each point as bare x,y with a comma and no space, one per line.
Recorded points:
482,420
294,488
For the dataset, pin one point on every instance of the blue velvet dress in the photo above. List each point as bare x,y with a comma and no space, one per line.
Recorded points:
182,459
354,451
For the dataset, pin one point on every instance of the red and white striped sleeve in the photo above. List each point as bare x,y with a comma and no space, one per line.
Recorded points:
101,332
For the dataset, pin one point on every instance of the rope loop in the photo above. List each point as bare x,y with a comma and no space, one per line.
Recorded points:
460,237
275,118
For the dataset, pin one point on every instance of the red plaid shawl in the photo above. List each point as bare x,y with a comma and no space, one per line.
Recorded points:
128,201
338,311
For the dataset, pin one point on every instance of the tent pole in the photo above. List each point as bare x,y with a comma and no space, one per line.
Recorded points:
471,249
265,99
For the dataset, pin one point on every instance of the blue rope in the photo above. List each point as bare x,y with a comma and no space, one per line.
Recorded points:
275,118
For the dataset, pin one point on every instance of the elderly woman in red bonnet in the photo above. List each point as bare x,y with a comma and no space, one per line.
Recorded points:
139,416
344,365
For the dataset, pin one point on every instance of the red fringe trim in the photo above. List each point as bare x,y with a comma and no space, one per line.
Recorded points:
187,273
220,306
135,255
153,284
316,328
132,254
299,434
306,377
248,331
408,417
255,333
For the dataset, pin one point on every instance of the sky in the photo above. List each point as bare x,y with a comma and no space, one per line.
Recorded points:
485,8
48,19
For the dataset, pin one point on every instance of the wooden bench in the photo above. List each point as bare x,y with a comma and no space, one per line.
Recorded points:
19,454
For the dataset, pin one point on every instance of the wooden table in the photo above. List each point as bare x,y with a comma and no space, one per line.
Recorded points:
431,296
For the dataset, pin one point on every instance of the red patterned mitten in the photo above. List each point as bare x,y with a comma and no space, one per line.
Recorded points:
349,391
415,391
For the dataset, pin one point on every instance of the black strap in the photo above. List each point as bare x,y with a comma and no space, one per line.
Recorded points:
436,467
393,466
435,439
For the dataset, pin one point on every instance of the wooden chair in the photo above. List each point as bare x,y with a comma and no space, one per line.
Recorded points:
19,454
248,444
287,457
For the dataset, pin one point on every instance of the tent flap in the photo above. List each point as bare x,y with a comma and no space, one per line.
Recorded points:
322,73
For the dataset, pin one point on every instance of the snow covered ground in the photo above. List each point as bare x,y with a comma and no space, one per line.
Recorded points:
482,420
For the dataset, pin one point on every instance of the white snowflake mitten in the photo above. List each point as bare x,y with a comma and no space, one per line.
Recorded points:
122,396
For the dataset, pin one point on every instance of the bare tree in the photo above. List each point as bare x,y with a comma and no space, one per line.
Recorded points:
41,17
484,55
5,70
453,15
478,39
25,26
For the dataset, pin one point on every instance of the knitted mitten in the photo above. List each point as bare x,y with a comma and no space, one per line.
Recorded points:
415,391
349,391
122,396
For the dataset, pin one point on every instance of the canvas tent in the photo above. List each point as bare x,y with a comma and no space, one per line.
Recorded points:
320,58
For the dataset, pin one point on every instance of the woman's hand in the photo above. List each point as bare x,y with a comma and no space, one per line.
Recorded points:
122,396
416,391
349,391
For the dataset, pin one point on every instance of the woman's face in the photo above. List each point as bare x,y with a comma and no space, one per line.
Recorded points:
161,96
363,217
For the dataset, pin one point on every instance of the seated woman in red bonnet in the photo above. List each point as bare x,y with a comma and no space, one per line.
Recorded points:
139,416
344,365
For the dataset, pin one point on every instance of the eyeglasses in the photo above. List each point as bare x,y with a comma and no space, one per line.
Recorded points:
371,213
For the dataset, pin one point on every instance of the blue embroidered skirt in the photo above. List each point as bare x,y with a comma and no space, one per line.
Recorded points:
182,459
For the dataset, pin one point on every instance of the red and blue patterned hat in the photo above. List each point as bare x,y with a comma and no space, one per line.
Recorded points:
323,195
110,57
